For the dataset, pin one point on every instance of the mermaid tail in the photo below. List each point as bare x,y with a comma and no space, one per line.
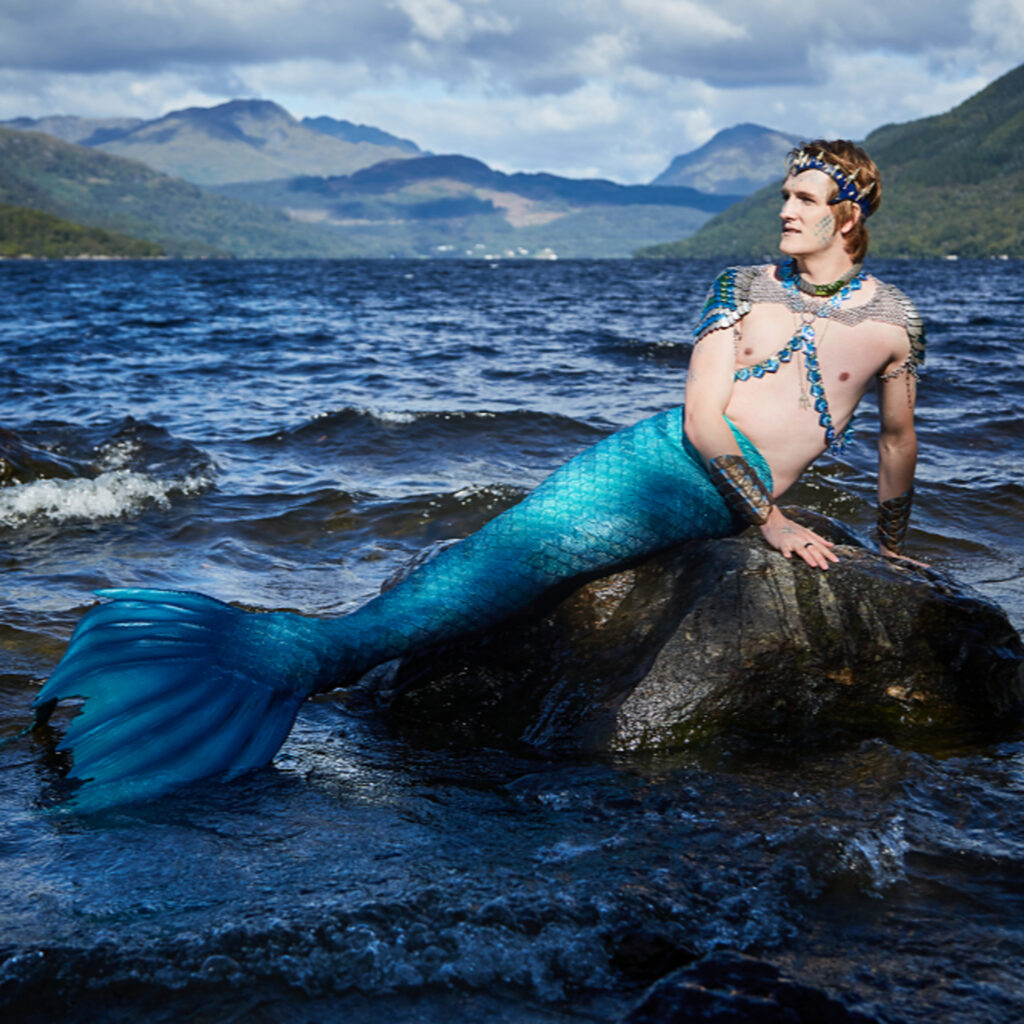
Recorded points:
180,686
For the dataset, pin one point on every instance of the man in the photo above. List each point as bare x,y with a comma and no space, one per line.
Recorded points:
786,353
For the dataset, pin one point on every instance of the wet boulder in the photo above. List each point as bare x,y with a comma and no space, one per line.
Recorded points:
724,637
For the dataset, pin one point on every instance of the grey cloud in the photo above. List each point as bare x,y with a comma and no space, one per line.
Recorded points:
533,46
117,35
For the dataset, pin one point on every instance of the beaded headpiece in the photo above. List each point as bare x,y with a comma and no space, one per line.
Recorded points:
804,160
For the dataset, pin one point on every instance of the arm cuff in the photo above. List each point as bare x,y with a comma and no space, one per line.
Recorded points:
893,520
744,491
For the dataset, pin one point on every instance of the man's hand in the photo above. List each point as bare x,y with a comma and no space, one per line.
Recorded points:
790,537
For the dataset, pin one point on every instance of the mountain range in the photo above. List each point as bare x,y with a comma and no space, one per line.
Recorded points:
246,178
242,140
88,187
455,205
953,185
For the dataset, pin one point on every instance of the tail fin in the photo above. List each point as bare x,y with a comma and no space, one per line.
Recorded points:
177,687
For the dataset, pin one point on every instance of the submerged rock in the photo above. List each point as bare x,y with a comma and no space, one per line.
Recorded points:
22,462
724,636
732,989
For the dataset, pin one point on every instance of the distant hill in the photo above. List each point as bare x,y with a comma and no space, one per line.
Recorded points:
33,233
89,187
349,132
455,205
737,161
242,140
952,184
468,173
83,131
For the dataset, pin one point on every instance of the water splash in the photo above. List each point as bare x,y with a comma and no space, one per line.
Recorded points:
115,494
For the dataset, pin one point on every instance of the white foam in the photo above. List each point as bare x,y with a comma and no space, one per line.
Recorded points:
110,495
400,416
118,454
393,416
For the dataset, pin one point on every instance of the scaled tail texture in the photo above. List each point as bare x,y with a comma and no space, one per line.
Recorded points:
180,686
177,687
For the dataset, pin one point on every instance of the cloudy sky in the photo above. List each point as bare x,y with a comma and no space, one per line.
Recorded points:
610,88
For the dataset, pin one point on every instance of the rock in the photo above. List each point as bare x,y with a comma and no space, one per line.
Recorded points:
21,462
642,955
732,989
724,636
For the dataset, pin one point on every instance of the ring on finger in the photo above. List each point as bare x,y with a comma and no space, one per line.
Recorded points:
809,543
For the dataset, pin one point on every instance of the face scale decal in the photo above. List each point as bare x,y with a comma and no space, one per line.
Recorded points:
824,229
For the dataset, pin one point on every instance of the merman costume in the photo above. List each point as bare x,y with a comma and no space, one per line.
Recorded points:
179,686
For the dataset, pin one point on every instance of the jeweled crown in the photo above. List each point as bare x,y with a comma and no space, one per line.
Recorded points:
805,160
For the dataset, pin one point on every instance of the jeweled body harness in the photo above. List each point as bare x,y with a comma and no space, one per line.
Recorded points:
732,296
737,289
804,342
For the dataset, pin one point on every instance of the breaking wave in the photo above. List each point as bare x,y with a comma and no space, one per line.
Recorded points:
114,494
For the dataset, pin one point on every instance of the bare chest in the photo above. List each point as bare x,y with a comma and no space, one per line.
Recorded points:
771,339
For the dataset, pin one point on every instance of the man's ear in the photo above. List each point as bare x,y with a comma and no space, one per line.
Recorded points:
853,220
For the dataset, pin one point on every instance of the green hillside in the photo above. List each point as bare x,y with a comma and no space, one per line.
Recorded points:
83,185
32,233
453,205
952,184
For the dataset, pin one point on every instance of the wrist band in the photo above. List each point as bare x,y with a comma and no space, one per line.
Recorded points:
893,520
744,492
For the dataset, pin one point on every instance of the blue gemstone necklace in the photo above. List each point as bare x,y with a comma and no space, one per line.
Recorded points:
805,343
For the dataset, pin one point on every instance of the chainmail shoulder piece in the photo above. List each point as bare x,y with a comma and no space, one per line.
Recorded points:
737,289
728,300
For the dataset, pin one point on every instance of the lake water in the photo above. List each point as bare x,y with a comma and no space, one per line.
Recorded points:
286,435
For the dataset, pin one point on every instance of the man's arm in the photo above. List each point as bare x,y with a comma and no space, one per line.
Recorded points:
708,389
897,453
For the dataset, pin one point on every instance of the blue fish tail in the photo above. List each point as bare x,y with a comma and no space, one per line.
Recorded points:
177,687
180,686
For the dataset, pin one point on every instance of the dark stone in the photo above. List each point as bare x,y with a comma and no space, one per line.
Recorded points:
725,636
21,462
731,989
641,955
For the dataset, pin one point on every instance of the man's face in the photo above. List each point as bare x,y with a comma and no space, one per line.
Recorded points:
808,222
